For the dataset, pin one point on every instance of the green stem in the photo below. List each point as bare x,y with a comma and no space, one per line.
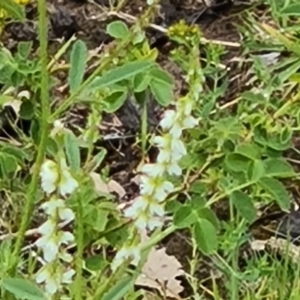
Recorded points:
80,246
45,112
144,124
215,198
157,237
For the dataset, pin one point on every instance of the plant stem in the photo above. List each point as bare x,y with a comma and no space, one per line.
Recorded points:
79,242
144,123
45,112
216,198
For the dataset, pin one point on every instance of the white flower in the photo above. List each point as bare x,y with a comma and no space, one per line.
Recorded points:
49,176
58,124
48,276
66,214
48,227
58,128
52,277
65,237
177,149
162,141
156,187
139,205
54,206
189,122
67,276
147,185
163,190
47,241
153,170
176,130
127,252
144,204
168,120
156,209
67,183
164,156
144,221
51,240
154,223
65,256
173,168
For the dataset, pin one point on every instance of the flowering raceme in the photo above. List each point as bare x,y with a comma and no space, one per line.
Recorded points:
148,209
58,183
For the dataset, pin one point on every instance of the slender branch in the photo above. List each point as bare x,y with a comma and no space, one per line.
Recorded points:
45,112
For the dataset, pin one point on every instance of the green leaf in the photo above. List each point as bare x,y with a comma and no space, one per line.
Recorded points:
208,107
161,86
256,170
161,91
292,9
253,97
101,220
114,101
78,61
277,190
198,187
277,167
19,154
248,150
97,159
120,289
160,75
237,162
208,214
185,216
298,114
27,110
95,263
126,71
116,237
8,165
6,74
23,289
141,82
24,49
118,30
205,235
244,205
72,150
13,9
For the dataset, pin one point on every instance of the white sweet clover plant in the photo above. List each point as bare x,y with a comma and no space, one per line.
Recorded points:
58,184
148,209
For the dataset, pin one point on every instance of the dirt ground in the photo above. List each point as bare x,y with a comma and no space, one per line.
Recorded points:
88,22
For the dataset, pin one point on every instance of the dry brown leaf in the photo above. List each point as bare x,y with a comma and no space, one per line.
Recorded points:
159,272
107,188
114,186
99,185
